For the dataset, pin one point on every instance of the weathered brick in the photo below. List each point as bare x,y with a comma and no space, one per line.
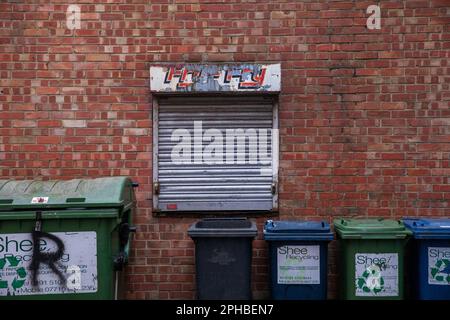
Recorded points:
98,57
363,115
74,123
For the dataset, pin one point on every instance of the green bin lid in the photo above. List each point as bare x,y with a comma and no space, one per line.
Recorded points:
375,228
109,192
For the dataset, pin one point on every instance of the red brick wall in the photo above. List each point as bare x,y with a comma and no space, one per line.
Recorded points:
364,114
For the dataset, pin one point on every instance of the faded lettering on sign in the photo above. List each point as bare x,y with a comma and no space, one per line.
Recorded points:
48,263
213,78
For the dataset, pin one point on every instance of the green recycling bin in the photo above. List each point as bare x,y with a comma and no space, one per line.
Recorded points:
64,239
371,255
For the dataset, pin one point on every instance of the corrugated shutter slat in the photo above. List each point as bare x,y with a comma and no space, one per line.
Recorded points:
199,186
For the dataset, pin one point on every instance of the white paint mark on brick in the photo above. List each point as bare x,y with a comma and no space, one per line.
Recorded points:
73,17
74,123
374,21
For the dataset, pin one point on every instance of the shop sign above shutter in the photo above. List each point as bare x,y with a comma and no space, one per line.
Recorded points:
215,78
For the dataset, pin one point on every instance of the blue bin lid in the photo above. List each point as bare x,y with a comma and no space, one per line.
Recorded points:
297,230
428,228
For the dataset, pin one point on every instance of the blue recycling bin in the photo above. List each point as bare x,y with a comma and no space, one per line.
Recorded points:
430,276
298,253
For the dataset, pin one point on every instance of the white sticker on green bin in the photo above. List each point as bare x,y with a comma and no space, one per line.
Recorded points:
376,274
77,265
298,264
439,265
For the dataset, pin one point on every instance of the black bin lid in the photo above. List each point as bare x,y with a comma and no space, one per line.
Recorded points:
223,227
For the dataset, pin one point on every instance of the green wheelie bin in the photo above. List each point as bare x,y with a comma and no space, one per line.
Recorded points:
371,255
64,239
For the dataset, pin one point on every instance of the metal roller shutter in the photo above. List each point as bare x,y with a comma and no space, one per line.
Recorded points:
241,182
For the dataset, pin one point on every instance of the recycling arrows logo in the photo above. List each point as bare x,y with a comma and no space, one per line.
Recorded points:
441,270
371,280
9,264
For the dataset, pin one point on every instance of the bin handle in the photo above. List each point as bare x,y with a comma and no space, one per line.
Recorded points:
124,237
225,218
38,221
